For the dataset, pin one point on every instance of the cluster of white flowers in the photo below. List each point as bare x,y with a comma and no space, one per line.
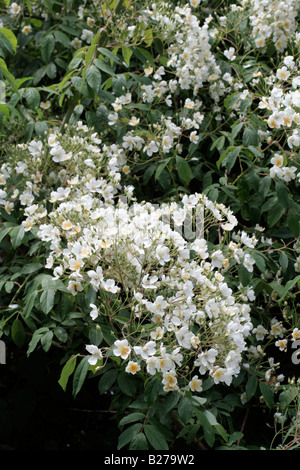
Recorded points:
57,169
120,248
272,21
282,104
190,54
281,337
183,304
191,66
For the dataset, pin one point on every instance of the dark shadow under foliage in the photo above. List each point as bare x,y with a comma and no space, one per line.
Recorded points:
35,413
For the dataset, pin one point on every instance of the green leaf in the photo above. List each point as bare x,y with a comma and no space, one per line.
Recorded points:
131,418
95,336
148,37
119,84
39,74
107,380
62,38
46,340
264,186
288,396
269,204
152,390
139,442
29,304
41,128
89,56
185,409
108,334
126,53
127,384
11,79
155,438
17,235
47,300
139,404
47,282
10,38
93,78
209,433
80,375
34,248
221,431
28,131
69,29
210,418
6,3
47,47
289,285
259,261
250,137
110,55
244,275
255,151
274,214
282,193
231,158
283,261
128,435
18,332
144,55
228,157
49,5
104,66
9,285
31,268
218,143
61,334
293,222
160,168
51,70
4,232
67,370
267,394
33,98
184,170
231,100
235,130
36,338
216,426
235,436
148,173
5,45
170,402
277,288
251,386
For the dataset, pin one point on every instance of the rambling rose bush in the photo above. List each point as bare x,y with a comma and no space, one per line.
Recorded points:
174,283
131,252
150,212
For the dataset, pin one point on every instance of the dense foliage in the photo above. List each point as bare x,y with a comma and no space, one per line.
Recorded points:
150,204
